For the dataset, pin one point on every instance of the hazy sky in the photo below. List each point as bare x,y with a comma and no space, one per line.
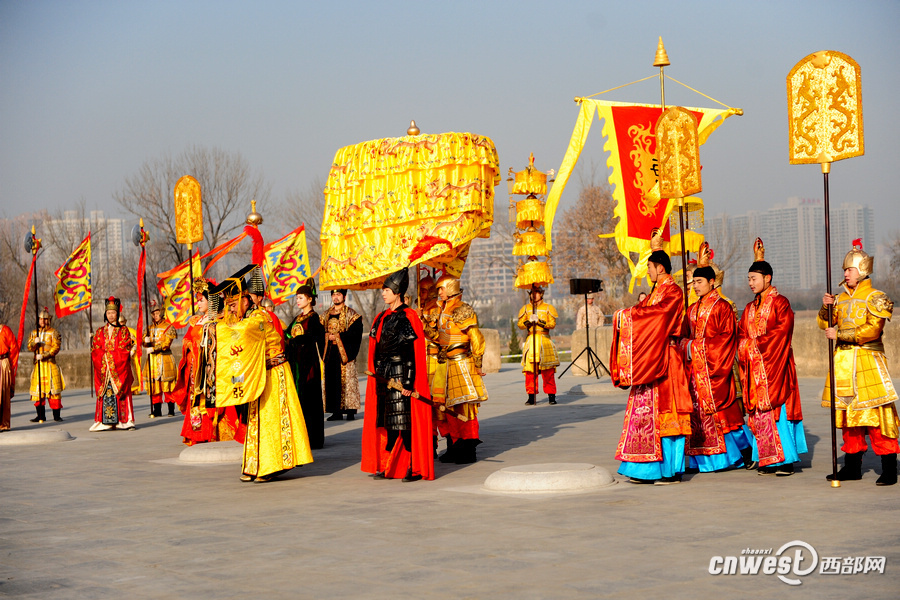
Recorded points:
90,90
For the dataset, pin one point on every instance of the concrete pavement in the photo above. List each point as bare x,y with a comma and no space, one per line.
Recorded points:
114,515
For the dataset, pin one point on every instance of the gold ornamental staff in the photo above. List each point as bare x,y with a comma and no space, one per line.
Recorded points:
825,124
188,220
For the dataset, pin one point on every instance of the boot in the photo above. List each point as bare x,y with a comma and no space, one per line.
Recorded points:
41,414
156,410
171,409
852,469
466,455
747,456
452,449
56,414
531,400
888,470
551,398
351,415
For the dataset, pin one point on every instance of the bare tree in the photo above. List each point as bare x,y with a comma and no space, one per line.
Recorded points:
227,185
578,252
308,207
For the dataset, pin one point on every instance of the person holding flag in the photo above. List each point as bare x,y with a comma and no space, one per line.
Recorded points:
160,372
864,392
539,357
47,382
111,355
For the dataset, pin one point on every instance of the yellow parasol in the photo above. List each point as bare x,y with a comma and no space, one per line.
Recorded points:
384,198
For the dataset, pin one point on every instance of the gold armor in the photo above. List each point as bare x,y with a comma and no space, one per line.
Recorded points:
864,392
461,351
547,356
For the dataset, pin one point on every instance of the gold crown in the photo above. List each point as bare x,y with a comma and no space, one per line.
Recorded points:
759,251
656,241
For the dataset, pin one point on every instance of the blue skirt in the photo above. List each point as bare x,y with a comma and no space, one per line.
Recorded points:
735,441
793,439
672,462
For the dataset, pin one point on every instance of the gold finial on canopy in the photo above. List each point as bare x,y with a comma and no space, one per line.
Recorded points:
254,218
661,59
413,129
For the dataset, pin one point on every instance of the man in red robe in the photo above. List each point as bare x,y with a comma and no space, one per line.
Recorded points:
397,426
768,374
718,440
645,356
111,354
9,362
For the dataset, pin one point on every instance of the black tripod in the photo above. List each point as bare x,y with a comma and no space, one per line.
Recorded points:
594,362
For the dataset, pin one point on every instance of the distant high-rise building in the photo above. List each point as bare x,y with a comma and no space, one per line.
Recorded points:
794,237
489,273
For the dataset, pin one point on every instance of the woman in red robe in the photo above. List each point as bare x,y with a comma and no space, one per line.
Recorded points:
111,355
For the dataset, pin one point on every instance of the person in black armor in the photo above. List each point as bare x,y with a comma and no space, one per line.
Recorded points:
397,428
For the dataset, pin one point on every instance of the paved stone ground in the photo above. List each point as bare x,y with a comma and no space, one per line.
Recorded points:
112,515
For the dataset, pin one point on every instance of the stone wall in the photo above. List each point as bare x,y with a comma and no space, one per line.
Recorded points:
809,343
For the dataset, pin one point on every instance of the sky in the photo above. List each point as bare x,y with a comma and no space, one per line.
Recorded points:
90,90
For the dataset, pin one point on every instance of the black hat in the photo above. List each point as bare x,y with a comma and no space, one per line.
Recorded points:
761,267
397,282
342,292
661,258
705,273
234,285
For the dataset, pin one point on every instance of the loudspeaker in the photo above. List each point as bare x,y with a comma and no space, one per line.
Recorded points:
585,286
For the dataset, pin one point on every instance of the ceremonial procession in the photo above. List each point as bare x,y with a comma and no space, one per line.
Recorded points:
374,334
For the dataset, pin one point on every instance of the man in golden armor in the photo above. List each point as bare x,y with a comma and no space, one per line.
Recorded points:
160,364
462,350
863,390
539,354
429,311
46,380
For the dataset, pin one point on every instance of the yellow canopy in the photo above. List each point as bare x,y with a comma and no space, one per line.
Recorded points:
385,197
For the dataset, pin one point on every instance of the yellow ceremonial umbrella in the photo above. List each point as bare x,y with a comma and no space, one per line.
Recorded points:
394,202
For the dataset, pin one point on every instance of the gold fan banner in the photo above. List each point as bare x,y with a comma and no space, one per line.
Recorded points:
678,152
825,114
383,196
188,211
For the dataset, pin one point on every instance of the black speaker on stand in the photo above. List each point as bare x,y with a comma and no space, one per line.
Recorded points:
585,287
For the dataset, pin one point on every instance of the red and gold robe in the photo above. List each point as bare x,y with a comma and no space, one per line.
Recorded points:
645,356
768,373
111,355
713,345
9,362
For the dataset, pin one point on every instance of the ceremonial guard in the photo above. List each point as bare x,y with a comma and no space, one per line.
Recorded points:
343,336
462,349
768,373
539,355
718,440
594,314
47,382
864,393
9,361
305,339
160,364
429,311
111,355
252,369
397,430
644,355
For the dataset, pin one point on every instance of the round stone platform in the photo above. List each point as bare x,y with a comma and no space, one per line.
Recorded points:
549,478
213,453
38,436
602,387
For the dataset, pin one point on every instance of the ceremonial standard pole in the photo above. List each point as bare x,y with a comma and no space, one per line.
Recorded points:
35,246
825,125
189,221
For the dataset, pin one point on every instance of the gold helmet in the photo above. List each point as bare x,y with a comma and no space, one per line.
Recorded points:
450,285
859,259
44,314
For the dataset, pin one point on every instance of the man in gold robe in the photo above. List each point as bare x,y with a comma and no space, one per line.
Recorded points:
864,392
47,382
539,355
461,348
252,369
160,364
